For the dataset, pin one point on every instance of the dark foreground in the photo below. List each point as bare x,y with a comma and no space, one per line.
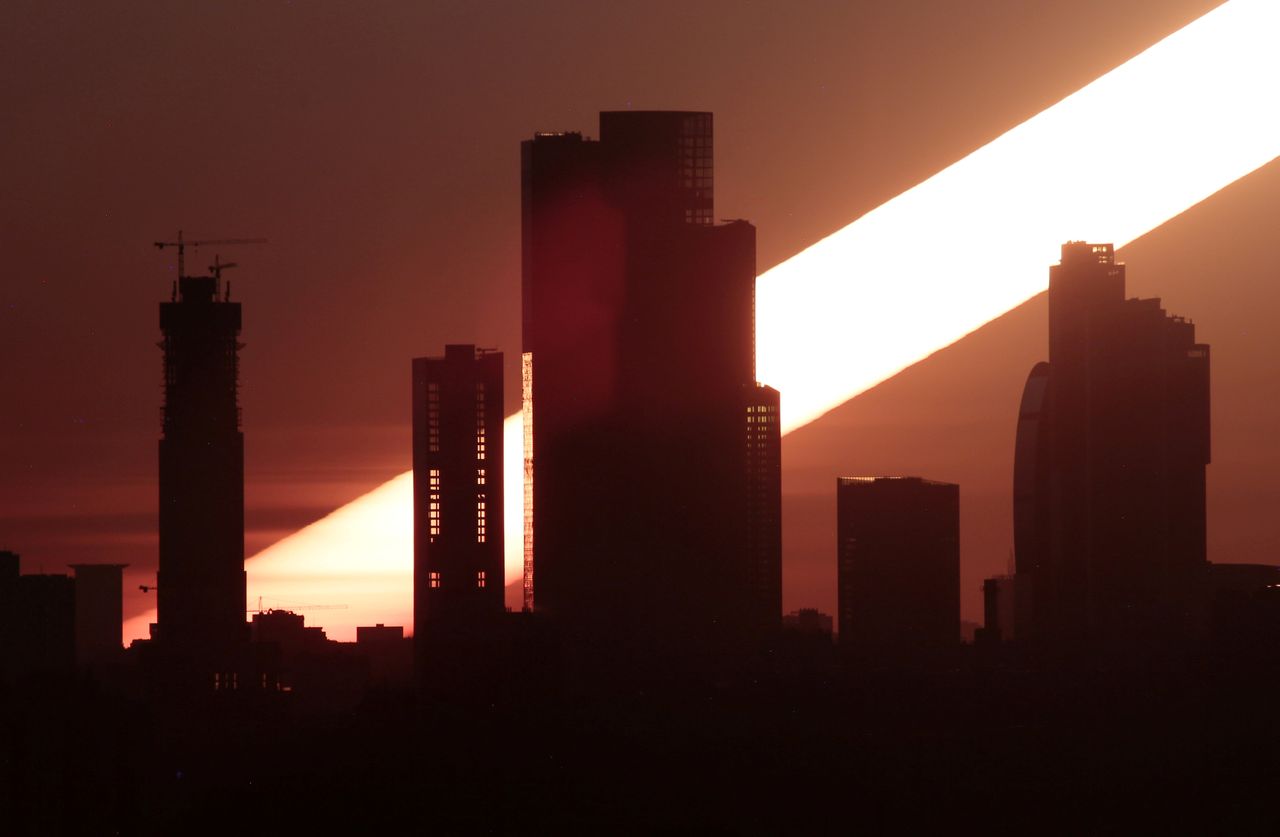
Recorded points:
972,749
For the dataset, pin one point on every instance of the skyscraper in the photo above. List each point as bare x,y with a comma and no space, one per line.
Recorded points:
201,579
457,486
638,341
1110,464
898,554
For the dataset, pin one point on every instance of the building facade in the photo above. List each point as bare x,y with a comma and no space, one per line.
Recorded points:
201,578
898,570
1110,476
638,342
457,486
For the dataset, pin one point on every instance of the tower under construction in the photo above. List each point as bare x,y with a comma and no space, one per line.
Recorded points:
201,581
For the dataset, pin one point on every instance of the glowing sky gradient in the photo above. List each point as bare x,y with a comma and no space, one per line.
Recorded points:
1111,162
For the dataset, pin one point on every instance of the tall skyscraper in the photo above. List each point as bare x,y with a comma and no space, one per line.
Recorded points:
1109,480
898,553
201,579
457,521
638,341
457,486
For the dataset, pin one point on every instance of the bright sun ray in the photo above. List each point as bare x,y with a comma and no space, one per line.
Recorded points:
1116,159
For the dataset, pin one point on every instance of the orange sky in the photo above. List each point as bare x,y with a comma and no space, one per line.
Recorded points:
377,147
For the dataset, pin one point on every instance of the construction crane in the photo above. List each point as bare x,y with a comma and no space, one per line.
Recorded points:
261,609
216,269
182,245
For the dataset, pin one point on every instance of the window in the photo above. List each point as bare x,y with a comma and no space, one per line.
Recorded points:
433,505
435,580
480,579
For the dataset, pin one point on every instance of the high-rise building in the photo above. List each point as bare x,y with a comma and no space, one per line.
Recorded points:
457,486
201,579
649,510
898,553
1109,481
763,487
37,621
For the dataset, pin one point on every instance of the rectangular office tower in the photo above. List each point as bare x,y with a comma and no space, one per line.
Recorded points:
201,579
1109,474
642,518
898,553
457,487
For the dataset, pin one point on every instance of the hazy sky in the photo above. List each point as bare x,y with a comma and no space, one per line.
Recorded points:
377,146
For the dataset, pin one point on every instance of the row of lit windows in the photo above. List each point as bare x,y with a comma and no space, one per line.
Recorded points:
433,504
434,580
434,511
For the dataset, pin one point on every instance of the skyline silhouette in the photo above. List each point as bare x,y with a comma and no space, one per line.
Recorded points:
834,173
618,592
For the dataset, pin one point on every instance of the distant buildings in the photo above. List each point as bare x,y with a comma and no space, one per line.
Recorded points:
99,606
1109,474
652,482
1000,617
201,580
898,547
37,621
52,623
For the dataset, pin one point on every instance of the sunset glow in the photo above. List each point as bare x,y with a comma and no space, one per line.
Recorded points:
1111,162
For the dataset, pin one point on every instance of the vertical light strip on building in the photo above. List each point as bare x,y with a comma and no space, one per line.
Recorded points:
526,458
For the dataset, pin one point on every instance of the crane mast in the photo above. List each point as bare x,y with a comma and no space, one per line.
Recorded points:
182,245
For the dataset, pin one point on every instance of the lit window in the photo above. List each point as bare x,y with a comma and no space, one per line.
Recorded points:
435,580
480,579
433,504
